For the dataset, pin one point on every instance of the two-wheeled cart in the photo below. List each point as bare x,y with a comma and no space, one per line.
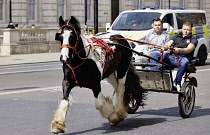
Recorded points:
162,81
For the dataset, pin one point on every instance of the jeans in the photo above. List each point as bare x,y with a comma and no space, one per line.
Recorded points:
172,60
156,55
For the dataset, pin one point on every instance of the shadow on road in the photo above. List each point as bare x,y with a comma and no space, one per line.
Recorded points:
198,111
134,122
127,125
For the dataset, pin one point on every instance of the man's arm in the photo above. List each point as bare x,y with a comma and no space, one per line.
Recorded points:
187,50
167,45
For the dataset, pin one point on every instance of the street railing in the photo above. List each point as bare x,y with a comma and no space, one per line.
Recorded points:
32,35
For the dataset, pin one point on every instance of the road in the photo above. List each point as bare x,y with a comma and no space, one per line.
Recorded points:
28,100
28,76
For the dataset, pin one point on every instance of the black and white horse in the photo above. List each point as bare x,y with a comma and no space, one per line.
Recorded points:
86,61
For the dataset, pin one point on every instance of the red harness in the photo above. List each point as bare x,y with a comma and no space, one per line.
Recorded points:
107,51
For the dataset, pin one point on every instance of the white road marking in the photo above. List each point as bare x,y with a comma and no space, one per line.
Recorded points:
50,89
29,90
202,70
38,70
56,88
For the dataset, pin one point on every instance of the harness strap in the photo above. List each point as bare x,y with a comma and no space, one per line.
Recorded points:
178,61
73,68
104,47
74,50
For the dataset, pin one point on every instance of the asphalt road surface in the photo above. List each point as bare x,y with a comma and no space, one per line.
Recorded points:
27,106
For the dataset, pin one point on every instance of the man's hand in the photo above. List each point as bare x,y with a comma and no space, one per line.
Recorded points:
162,50
176,50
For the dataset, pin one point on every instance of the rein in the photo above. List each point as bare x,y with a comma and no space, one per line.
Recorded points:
157,46
141,42
177,55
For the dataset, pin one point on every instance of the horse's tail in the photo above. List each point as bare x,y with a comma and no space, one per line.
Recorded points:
133,86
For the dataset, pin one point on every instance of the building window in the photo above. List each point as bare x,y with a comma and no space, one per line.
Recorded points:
31,10
61,8
1,10
89,8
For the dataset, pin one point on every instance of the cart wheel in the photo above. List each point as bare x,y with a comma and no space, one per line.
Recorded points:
134,102
186,99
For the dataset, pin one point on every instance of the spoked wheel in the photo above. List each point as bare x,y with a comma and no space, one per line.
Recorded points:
134,102
186,99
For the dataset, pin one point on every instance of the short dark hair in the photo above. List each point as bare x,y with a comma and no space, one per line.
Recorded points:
188,24
157,19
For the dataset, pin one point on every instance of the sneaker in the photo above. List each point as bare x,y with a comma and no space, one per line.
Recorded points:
178,87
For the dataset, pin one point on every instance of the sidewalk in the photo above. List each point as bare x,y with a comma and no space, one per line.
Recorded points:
29,58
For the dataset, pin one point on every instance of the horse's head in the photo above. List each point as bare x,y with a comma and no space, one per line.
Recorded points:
69,35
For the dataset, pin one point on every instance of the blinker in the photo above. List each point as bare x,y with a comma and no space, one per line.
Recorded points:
57,36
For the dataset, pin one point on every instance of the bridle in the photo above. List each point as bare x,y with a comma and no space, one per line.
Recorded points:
74,52
68,45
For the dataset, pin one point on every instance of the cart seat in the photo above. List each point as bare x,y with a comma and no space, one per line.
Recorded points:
191,67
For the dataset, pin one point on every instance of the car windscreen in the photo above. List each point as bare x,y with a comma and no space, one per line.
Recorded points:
135,21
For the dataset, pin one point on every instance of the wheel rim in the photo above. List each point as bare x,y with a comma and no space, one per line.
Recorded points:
132,103
188,99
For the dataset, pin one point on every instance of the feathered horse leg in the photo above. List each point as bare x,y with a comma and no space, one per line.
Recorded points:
58,123
117,112
120,110
105,104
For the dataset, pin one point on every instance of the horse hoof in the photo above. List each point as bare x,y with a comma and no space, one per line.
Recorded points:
57,127
56,130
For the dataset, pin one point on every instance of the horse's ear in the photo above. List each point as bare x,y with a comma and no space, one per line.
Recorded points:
73,20
61,21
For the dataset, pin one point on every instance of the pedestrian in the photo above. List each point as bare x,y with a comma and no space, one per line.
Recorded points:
25,26
33,26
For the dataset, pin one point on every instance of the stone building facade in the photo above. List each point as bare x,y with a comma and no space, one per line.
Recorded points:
45,13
